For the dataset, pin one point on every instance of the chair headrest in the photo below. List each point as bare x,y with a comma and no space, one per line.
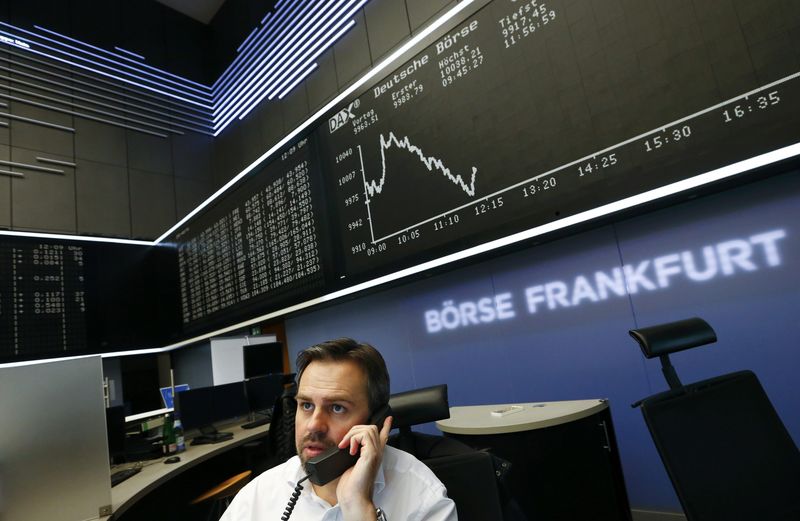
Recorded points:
419,406
672,337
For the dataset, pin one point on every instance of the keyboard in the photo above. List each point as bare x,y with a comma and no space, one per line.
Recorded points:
121,475
257,423
205,439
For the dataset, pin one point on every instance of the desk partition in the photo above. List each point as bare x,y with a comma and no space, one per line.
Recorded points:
53,448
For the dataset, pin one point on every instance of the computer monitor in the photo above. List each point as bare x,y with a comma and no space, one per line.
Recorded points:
230,401
202,408
166,394
195,407
115,428
262,359
263,391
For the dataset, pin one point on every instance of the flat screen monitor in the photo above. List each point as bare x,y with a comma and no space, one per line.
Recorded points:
229,401
261,359
202,408
115,428
195,407
166,394
263,391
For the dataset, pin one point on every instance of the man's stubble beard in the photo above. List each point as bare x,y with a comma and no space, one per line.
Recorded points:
313,438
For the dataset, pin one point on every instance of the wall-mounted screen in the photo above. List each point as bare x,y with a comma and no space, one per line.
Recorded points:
508,120
64,298
530,112
258,247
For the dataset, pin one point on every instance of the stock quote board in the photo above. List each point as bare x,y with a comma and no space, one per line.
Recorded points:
512,116
259,247
63,298
42,299
524,113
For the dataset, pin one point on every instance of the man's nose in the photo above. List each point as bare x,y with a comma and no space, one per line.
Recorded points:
317,422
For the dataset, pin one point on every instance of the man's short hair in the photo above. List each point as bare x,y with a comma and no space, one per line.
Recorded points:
366,356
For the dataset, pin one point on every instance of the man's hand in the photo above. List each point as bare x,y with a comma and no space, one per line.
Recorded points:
354,491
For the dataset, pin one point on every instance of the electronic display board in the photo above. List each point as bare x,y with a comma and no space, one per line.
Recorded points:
64,298
512,116
528,112
258,247
42,299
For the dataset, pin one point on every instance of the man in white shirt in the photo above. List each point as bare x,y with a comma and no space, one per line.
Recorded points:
340,384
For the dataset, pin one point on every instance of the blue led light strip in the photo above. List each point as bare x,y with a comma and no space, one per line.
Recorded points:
112,65
313,52
253,80
272,60
245,69
246,40
106,74
305,73
135,62
120,49
266,74
221,83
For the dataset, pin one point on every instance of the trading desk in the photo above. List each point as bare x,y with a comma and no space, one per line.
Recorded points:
564,459
157,473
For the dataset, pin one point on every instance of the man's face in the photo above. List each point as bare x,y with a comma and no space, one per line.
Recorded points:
331,398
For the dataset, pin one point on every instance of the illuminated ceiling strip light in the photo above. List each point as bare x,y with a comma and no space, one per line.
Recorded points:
269,79
137,63
284,91
240,61
136,69
378,69
265,17
246,80
297,56
305,73
245,67
299,79
246,40
243,64
255,95
131,101
589,215
120,49
312,53
103,73
85,238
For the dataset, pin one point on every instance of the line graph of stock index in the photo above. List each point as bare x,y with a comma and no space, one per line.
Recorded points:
513,119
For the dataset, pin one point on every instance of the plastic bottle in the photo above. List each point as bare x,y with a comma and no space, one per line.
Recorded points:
177,429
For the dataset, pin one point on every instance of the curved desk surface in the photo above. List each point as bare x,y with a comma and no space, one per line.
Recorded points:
156,472
478,419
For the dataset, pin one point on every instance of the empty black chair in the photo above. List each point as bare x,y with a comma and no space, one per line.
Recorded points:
468,475
420,406
726,451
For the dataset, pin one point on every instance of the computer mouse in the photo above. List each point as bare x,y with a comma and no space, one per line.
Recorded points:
172,459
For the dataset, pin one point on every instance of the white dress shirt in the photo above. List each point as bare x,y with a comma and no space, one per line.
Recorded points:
405,489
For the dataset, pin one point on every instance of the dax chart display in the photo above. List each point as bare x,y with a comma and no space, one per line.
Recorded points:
526,113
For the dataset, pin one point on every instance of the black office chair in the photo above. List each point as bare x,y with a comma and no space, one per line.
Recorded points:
415,408
280,444
469,475
726,451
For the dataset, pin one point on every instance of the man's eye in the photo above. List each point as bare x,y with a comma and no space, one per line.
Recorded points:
337,408
306,406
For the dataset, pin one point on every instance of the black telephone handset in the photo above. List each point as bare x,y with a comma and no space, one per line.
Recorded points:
333,462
